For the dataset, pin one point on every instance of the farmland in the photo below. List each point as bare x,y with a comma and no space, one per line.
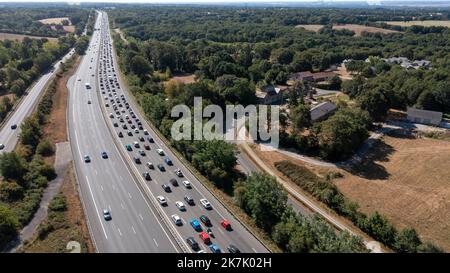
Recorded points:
20,37
358,29
427,23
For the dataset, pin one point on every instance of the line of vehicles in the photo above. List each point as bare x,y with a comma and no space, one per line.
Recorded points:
141,147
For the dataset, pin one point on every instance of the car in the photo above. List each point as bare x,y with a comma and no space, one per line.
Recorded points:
146,146
128,147
187,184
150,165
174,182
205,220
146,176
137,160
124,126
111,115
177,220
150,139
104,155
180,205
136,144
129,133
116,124
226,224
136,131
233,249
195,224
168,161
214,248
205,237
107,215
166,188
145,132
179,173
142,152
89,102
192,243
14,126
160,151
162,201
141,138
2,146
120,134
87,159
161,167
205,203
189,200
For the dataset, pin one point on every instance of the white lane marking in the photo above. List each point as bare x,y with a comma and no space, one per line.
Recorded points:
118,229
129,195
133,229
121,204
96,209
156,243
254,250
140,216
101,187
221,231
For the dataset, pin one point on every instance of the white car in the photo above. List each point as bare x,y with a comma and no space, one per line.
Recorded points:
187,184
180,205
162,201
160,151
177,220
205,203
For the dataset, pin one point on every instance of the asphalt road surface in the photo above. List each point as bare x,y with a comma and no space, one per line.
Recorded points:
9,136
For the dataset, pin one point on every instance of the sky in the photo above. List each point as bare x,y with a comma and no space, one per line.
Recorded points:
210,1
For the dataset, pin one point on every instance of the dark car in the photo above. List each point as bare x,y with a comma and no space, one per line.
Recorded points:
120,134
129,133
14,126
166,188
104,155
205,220
87,159
189,200
174,182
147,147
141,138
146,176
233,249
192,243
168,161
137,160
161,167
116,124
150,139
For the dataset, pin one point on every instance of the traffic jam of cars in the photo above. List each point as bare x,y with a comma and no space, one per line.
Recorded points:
140,145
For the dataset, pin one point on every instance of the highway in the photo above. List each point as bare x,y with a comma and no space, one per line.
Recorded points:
9,136
107,183
239,236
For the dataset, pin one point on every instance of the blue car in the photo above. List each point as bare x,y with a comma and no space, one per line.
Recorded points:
214,248
168,161
195,224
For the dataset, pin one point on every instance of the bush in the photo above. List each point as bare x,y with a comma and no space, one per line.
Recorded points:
58,203
45,148
8,225
10,191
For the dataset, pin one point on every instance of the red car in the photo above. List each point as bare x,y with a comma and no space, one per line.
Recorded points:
146,146
226,224
205,237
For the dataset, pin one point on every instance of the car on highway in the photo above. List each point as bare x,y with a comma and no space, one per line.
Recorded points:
89,102
205,220
129,133
205,203
179,173
87,159
225,224
116,124
111,115
120,134
150,165
146,176
104,155
2,146
189,200
14,126
160,151
124,126
166,188
107,215
168,161
233,249
187,184
161,167
145,132
180,205
205,237
177,220
141,138
162,201
214,248
142,152
174,182
192,243
136,144
128,147
195,225
137,160
150,139
146,146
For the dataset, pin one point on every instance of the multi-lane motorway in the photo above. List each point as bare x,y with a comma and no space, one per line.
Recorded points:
9,136
139,223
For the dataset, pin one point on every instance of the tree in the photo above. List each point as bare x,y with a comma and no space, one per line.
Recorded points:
374,102
140,66
12,166
81,45
235,90
265,200
335,82
300,116
8,225
30,133
407,241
